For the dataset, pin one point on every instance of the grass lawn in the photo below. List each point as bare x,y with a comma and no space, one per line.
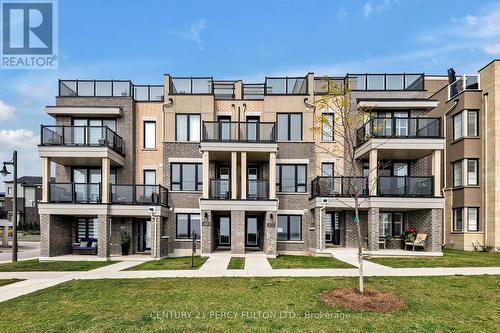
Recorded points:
307,262
236,263
170,263
43,266
450,258
5,282
456,303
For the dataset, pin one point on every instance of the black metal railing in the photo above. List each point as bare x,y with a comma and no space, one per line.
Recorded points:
224,90
75,193
253,91
331,85
96,136
110,88
191,86
220,189
136,194
286,86
399,127
374,82
325,186
405,186
148,93
233,131
257,189
465,82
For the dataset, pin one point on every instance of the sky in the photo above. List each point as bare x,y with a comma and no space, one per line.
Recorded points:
142,40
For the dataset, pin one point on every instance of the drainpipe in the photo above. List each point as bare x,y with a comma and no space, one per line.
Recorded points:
485,175
321,210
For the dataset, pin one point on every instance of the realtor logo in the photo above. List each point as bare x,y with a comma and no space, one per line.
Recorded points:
29,38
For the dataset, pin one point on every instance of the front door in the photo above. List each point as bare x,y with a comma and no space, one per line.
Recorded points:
144,233
224,231
252,231
332,228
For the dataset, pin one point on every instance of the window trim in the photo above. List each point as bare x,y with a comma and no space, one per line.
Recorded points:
198,177
461,135
455,211
461,173
144,133
332,164
144,171
188,129
279,180
476,116
477,171
289,125
477,219
330,138
190,230
288,228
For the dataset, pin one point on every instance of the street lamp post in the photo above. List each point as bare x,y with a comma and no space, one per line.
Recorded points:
4,172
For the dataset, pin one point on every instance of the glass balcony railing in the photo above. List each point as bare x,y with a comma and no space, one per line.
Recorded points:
224,90
110,88
233,131
399,127
374,82
257,189
463,83
96,136
75,193
405,186
325,186
191,86
220,189
253,91
136,194
286,86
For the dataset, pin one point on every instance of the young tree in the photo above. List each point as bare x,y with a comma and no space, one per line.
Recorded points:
347,119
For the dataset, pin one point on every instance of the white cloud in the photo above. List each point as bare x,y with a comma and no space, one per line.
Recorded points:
367,9
377,6
194,31
6,111
492,49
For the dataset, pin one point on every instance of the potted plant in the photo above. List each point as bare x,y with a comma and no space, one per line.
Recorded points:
410,234
125,241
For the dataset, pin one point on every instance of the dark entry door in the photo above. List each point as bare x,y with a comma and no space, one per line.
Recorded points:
252,230
144,233
332,228
224,231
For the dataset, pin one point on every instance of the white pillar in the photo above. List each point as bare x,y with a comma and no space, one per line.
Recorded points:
372,175
234,175
436,171
206,174
105,181
45,178
272,176
243,186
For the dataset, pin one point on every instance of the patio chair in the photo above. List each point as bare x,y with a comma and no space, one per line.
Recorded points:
381,242
418,242
86,246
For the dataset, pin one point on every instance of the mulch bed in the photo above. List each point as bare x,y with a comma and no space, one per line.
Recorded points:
370,300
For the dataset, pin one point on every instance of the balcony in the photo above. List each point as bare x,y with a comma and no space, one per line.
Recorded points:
286,86
233,131
110,88
75,193
152,195
253,91
463,83
324,186
191,86
224,90
398,128
384,82
257,189
405,186
220,189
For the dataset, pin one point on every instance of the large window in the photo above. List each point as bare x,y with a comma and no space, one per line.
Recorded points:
187,127
187,224
457,219
457,126
186,177
86,228
149,134
457,173
289,227
390,224
289,126
472,123
291,178
472,219
472,172
29,196
327,169
327,127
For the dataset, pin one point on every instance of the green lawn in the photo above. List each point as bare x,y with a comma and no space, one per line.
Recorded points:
450,258
170,263
5,282
42,266
307,262
443,304
236,263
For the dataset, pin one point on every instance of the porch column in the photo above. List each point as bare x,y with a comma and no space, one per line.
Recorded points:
5,236
436,172
234,175
104,239
45,178
373,235
243,187
206,174
106,170
272,176
372,174
207,244
436,229
270,233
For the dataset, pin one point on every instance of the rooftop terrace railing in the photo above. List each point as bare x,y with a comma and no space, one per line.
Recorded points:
463,83
110,88
191,86
286,86
253,91
224,90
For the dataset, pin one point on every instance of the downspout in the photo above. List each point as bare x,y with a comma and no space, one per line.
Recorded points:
321,226
485,175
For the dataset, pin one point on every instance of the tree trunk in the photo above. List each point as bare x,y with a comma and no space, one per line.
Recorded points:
360,245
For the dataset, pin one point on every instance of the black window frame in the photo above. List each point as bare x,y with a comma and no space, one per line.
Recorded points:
289,125
332,164
288,228
144,171
477,219
198,177
190,229
455,211
279,180
144,133
88,220
88,169
188,129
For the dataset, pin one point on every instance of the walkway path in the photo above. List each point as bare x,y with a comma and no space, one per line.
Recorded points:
256,265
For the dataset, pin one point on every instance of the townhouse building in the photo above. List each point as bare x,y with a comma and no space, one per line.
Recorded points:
28,195
237,167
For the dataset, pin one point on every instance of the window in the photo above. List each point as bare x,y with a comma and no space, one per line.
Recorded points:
472,123
472,172
29,197
9,190
149,177
186,177
86,228
289,227
187,127
397,227
187,224
291,178
457,126
149,134
457,173
457,219
327,169
473,219
289,126
385,224
327,127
